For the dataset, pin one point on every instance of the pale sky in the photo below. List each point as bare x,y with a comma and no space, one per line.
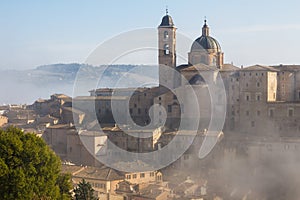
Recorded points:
35,32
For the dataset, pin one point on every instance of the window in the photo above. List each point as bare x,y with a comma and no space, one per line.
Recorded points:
271,112
142,175
134,176
100,185
258,113
174,96
258,84
247,97
253,124
246,84
128,176
247,113
130,110
166,35
159,98
159,178
139,111
290,112
166,49
258,97
169,108
286,147
151,174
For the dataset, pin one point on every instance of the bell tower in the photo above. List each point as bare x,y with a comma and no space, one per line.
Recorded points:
167,52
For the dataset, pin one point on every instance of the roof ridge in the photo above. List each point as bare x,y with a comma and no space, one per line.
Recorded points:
108,174
78,171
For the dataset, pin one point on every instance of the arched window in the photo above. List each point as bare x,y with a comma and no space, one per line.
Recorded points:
214,61
196,80
166,35
166,49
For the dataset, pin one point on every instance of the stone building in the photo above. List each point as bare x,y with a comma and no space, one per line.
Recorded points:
112,184
260,100
52,106
70,144
3,120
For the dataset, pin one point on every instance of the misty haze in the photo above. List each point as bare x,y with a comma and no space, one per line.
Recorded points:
204,104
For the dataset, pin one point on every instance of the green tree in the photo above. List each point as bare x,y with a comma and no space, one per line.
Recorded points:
65,186
29,169
84,191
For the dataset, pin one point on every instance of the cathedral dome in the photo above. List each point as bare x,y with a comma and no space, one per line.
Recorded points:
205,41
167,21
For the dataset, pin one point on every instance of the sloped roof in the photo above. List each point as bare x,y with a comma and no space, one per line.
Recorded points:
100,173
94,98
70,168
73,110
152,191
198,67
61,96
260,68
287,67
229,67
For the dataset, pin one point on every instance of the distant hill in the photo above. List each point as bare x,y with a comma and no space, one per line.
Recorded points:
25,86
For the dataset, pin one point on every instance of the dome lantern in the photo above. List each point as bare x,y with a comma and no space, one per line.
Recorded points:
205,29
